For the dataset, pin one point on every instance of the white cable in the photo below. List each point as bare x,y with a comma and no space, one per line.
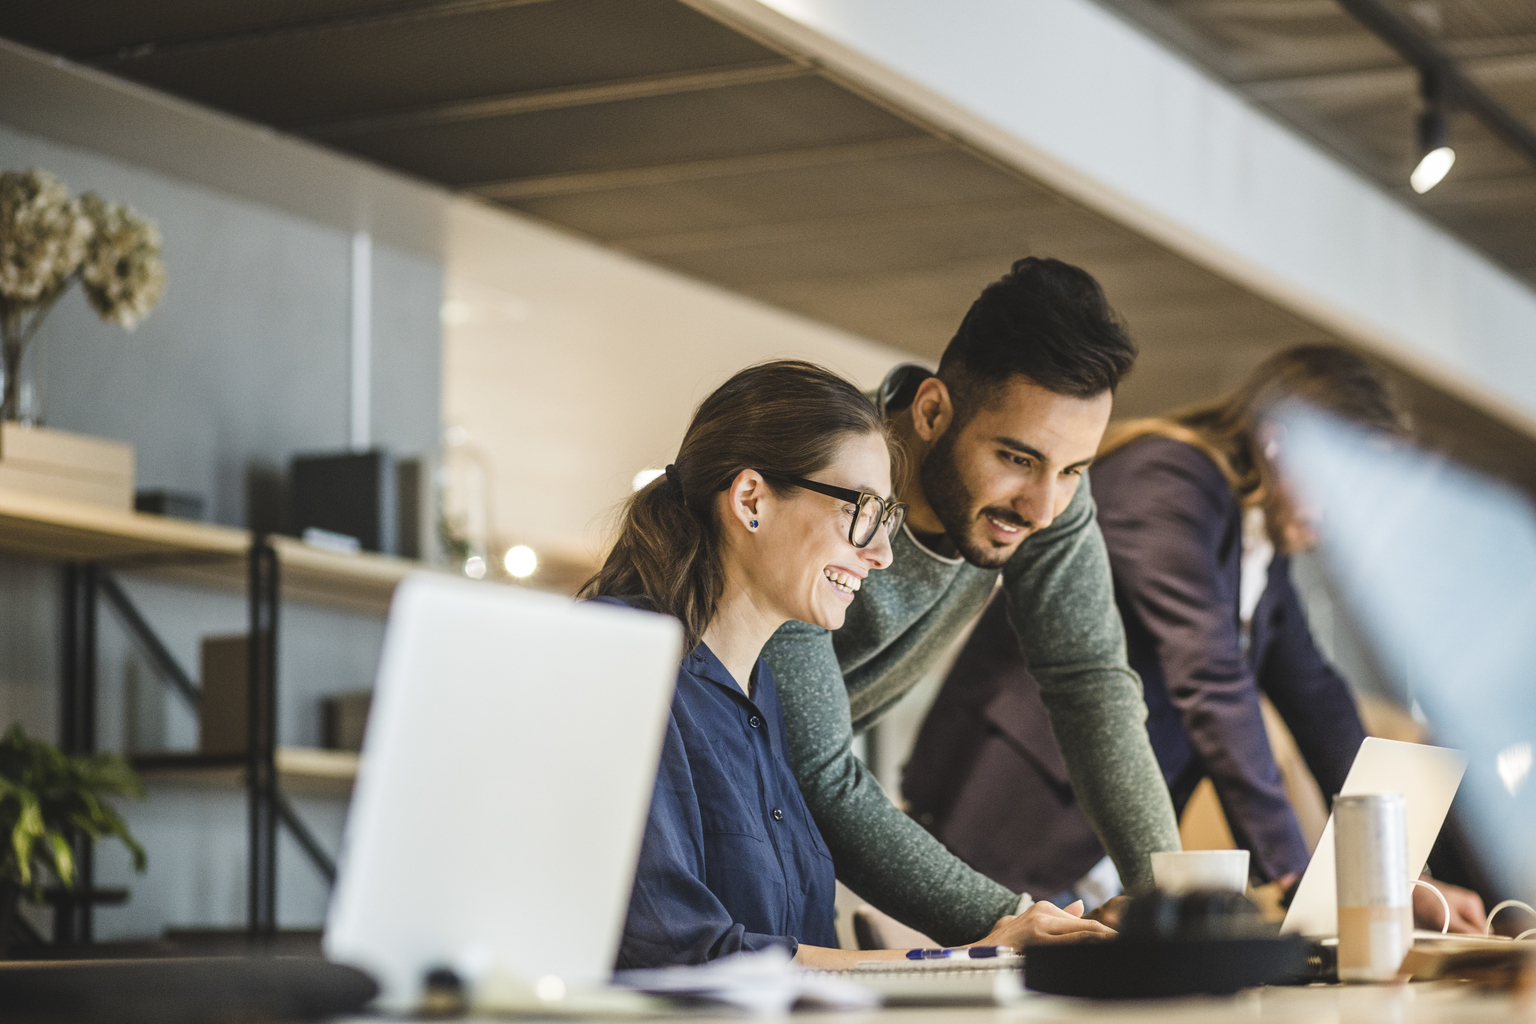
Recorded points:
1528,931
1488,925
1445,925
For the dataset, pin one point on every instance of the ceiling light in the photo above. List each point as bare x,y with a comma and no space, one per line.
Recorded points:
474,567
1432,169
1436,156
520,561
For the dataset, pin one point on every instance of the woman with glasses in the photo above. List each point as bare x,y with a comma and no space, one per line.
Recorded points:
776,509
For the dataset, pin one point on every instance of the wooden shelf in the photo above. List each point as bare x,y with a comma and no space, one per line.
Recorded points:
53,528
301,771
195,553
362,581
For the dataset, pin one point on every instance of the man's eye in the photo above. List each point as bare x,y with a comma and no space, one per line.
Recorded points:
1074,471
1017,460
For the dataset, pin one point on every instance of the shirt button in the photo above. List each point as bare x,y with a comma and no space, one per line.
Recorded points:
778,815
755,722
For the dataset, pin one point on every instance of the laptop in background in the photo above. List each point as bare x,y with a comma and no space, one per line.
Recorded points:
1426,776
506,775
1437,565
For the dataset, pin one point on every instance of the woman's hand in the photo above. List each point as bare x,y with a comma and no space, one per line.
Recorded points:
1110,911
1043,923
1467,913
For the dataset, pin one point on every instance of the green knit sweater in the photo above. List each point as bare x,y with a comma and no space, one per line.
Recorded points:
831,685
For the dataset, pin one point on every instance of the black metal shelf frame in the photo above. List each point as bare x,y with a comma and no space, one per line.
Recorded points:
87,583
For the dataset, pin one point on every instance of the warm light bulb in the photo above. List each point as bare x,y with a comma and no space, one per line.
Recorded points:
1432,169
520,561
456,313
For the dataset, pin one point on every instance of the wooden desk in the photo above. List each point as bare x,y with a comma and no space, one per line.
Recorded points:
1426,1003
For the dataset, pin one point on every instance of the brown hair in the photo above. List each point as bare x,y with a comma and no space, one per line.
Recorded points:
785,417
1327,376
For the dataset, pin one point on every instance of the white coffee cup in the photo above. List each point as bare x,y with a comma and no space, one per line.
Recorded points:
1189,870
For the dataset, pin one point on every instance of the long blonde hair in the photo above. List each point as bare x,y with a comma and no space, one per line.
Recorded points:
1226,430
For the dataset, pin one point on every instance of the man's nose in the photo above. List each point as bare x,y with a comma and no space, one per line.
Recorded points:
1037,505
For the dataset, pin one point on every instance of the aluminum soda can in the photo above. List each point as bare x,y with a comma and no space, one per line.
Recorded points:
1370,839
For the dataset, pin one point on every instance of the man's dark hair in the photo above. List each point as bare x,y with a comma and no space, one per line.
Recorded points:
1045,320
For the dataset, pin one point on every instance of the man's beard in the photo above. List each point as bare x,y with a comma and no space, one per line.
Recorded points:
951,501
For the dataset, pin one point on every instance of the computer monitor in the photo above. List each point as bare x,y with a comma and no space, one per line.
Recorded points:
507,771
1438,566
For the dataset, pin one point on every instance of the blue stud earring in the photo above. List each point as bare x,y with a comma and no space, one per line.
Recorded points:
754,524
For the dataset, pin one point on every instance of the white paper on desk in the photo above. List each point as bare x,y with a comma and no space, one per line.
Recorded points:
760,982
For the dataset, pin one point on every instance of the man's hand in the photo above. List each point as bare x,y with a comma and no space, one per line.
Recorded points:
1043,923
1467,913
1110,911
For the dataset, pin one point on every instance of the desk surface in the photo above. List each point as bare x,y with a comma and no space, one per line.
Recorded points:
1424,1003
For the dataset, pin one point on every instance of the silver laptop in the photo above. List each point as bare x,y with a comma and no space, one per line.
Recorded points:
1438,566
506,775
1426,776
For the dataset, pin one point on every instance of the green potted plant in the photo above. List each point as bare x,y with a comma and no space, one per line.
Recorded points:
44,796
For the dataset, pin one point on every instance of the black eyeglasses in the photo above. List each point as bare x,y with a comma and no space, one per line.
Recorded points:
872,509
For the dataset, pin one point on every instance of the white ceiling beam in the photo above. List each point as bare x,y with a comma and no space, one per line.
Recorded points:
1084,102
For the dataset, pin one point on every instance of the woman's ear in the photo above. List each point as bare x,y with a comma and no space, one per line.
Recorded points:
745,499
932,410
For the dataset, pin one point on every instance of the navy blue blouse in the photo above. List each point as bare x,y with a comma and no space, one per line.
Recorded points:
731,859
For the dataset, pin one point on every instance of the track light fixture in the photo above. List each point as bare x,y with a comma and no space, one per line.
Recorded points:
1435,153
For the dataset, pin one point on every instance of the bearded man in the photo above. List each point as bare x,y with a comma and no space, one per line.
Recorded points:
999,442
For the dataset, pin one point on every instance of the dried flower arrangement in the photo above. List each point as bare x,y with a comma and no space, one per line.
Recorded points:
48,240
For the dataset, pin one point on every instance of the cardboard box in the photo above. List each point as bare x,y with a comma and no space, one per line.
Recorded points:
224,713
60,464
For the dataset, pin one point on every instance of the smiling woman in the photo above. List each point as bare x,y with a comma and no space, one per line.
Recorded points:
739,492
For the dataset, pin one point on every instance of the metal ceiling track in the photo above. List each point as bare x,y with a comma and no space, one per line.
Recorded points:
1444,72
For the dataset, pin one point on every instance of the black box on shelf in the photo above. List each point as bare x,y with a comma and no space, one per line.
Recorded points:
352,493
344,717
177,504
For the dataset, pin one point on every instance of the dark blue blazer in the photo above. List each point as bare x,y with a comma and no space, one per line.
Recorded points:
1174,531
731,859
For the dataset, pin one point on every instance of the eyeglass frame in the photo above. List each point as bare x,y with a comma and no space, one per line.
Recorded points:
888,507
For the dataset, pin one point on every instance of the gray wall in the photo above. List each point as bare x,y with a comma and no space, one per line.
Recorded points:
245,362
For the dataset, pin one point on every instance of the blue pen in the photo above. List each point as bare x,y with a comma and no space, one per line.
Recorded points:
965,953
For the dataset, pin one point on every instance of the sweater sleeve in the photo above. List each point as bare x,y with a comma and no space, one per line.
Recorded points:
1061,601
1165,531
880,853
